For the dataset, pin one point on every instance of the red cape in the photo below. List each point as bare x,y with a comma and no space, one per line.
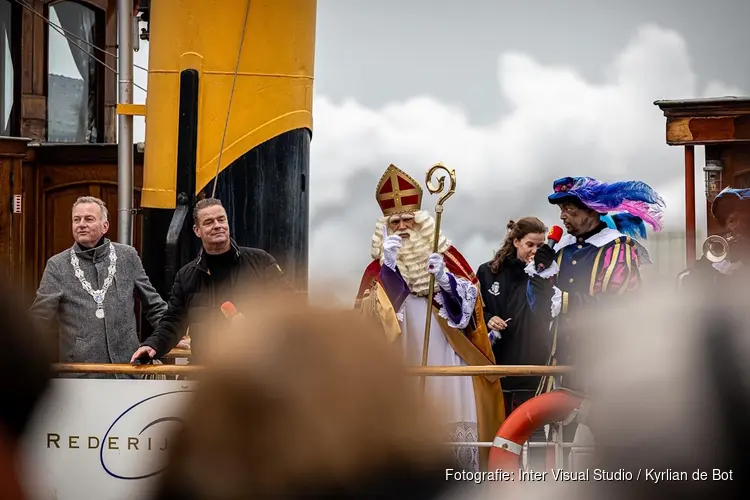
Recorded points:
487,390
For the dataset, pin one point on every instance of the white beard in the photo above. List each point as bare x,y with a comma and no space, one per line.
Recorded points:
414,252
412,261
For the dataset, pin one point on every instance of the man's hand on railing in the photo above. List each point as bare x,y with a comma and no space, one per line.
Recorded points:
143,355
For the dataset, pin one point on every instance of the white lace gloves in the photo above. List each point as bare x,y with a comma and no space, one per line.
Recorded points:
436,266
391,244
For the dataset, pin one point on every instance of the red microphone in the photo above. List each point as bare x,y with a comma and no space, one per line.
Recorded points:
554,236
229,310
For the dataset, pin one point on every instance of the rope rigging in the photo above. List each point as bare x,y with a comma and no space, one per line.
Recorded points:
231,96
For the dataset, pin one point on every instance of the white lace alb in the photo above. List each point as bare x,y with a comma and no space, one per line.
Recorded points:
467,457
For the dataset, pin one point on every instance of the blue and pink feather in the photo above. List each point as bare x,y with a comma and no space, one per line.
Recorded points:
629,204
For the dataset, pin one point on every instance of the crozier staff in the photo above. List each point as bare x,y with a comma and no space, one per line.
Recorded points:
89,290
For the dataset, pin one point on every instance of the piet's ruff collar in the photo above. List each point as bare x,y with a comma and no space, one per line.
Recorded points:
603,237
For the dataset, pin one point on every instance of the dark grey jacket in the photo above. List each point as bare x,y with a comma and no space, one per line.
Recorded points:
84,338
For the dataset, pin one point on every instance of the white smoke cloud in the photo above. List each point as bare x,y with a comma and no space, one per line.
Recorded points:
559,124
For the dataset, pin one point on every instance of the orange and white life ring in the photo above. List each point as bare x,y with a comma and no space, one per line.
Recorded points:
508,444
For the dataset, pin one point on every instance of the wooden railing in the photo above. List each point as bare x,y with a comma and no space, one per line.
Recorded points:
430,371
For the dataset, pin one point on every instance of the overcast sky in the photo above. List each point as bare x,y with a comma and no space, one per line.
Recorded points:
512,95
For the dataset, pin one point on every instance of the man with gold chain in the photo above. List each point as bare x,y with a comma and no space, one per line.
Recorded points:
395,288
89,290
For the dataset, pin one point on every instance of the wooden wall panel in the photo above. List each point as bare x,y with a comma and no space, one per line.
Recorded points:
736,161
31,230
50,178
60,186
56,205
56,222
33,69
12,153
27,49
110,78
6,223
741,166
39,48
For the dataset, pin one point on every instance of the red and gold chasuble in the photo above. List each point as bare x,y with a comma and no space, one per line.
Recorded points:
471,344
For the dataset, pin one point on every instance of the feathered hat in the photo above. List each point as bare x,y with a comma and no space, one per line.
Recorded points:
725,200
630,204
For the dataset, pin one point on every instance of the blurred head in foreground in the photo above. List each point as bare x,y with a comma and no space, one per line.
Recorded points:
302,403
671,393
24,377
668,379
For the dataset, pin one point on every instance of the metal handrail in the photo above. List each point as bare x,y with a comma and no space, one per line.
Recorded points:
430,371
488,444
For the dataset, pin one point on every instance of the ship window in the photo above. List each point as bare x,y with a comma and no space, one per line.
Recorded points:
74,75
7,71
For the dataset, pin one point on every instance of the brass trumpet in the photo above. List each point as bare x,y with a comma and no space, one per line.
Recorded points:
716,248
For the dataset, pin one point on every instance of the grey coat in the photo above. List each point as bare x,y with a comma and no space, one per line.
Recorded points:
84,338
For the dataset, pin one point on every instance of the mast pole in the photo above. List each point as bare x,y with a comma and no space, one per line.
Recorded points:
125,123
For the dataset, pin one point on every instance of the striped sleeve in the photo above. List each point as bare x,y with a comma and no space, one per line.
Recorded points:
618,271
615,272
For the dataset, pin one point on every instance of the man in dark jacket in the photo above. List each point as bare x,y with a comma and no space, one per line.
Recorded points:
222,272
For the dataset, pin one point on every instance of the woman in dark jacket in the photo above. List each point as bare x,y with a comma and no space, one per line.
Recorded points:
518,336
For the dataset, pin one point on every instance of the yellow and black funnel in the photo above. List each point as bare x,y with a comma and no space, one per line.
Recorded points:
204,55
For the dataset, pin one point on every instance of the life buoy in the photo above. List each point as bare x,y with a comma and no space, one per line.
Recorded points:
523,421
